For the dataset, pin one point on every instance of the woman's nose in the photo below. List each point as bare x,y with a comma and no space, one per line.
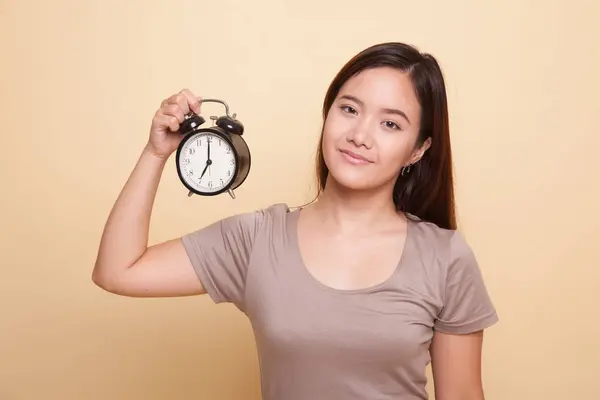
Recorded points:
361,134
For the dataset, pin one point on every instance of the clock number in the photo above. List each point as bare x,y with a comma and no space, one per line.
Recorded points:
210,184
199,142
228,151
192,150
228,172
232,162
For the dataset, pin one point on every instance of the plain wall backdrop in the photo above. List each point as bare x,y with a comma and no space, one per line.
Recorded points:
81,81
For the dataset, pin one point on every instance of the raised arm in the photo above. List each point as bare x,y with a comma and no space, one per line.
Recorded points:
125,264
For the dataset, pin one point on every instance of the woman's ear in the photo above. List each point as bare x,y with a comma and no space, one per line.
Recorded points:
420,151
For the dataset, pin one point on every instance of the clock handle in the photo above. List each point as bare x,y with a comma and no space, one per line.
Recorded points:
219,101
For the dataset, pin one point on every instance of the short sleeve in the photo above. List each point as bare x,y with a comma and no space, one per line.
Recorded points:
467,305
220,255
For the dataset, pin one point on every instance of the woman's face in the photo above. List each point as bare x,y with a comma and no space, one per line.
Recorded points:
371,129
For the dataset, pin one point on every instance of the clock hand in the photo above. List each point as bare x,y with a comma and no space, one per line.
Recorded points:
208,150
204,170
208,160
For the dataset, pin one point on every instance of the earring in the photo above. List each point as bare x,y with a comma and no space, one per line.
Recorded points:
405,170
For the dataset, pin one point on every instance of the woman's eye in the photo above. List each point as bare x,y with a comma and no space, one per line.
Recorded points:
348,109
392,125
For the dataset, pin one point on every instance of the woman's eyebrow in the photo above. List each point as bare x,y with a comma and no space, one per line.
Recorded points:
386,110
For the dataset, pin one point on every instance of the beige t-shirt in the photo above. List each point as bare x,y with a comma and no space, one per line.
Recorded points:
316,342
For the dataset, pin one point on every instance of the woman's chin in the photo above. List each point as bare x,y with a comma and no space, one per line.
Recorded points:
345,181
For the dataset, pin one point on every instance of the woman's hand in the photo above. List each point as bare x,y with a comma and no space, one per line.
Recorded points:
164,131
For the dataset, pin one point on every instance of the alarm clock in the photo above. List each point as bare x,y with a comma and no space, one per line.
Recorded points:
212,160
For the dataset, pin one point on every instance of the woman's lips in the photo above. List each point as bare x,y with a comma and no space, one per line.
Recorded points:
355,158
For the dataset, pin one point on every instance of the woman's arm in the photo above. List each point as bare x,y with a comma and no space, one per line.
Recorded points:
467,310
456,366
125,264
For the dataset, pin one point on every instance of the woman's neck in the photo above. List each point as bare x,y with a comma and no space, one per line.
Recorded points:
354,211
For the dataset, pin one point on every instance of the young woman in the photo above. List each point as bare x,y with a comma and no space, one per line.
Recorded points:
353,295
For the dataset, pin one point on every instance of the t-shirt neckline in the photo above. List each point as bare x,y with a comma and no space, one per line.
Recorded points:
292,229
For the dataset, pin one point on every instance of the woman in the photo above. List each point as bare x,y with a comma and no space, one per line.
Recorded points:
353,295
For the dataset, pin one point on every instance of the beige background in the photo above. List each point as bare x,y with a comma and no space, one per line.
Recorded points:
81,80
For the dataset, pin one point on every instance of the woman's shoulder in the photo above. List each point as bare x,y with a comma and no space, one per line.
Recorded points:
429,231
271,211
242,226
446,243
260,216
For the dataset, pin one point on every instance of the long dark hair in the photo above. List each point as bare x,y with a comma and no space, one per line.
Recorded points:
427,191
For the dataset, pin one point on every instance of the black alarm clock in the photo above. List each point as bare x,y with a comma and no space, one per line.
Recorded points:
212,160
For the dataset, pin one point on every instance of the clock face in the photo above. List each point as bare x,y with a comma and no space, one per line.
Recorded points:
207,162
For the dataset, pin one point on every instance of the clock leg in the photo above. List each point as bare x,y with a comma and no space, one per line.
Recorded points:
231,193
